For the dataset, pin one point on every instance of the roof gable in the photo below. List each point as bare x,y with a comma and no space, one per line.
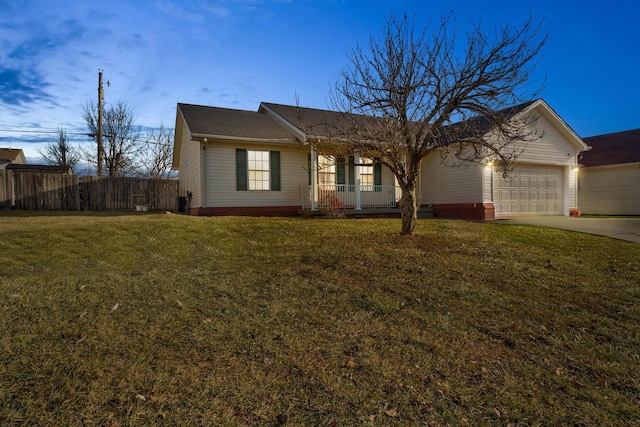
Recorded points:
542,107
612,149
13,155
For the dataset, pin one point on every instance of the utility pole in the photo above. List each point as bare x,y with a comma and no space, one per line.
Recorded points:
100,102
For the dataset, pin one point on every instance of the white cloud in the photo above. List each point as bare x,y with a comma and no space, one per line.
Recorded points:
175,11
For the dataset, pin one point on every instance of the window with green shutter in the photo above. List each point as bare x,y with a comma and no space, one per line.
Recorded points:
352,173
257,170
340,174
274,158
377,174
241,169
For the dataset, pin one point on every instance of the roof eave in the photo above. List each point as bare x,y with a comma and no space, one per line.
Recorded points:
177,139
203,136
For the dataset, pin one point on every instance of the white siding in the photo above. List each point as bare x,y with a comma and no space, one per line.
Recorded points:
573,187
221,176
613,190
189,168
446,185
487,183
552,148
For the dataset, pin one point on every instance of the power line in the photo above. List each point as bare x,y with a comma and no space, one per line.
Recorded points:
90,135
42,131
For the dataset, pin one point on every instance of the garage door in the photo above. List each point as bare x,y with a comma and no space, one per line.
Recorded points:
529,190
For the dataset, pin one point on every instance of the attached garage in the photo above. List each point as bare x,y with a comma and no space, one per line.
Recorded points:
529,190
543,182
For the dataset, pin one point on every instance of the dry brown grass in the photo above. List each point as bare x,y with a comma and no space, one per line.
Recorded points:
172,320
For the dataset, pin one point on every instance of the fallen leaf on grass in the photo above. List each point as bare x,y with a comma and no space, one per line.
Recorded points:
392,412
602,382
115,307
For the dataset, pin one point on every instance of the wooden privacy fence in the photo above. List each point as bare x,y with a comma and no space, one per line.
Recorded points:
6,190
119,193
38,191
50,191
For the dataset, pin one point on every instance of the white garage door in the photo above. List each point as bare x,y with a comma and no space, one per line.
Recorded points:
529,190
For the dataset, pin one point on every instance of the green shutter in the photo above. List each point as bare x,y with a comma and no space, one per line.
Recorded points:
241,169
274,165
340,174
377,175
352,173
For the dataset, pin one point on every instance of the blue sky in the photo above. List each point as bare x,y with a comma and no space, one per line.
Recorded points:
236,53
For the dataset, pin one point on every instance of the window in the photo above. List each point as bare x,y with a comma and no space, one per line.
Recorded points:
258,168
326,171
366,174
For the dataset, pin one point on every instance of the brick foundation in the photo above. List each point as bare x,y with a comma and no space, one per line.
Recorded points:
480,211
483,211
247,211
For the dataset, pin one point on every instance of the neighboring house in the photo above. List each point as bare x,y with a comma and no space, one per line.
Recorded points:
609,181
11,155
234,162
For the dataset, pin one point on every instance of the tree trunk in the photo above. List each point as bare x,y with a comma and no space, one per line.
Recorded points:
408,210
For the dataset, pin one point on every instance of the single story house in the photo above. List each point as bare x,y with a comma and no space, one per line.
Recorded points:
238,162
11,156
609,179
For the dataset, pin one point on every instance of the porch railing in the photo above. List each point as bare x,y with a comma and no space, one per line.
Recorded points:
340,196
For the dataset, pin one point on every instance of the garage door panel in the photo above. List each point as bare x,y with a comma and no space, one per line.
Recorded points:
532,190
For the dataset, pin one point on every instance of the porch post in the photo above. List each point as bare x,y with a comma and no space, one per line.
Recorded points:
356,172
314,179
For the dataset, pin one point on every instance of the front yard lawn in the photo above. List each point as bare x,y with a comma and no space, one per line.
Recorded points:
135,320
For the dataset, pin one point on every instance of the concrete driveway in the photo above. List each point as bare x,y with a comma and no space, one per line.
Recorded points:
618,228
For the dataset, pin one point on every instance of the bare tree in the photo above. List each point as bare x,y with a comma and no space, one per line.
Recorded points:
157,154
121,138
439,90
60,152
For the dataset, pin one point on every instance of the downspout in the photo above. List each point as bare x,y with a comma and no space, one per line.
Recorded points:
566,175
203,180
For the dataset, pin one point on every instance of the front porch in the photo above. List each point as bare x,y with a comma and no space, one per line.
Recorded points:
355,197
352,201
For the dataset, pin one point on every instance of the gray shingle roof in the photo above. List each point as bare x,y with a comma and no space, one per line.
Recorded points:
326,123
216,121
309,120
